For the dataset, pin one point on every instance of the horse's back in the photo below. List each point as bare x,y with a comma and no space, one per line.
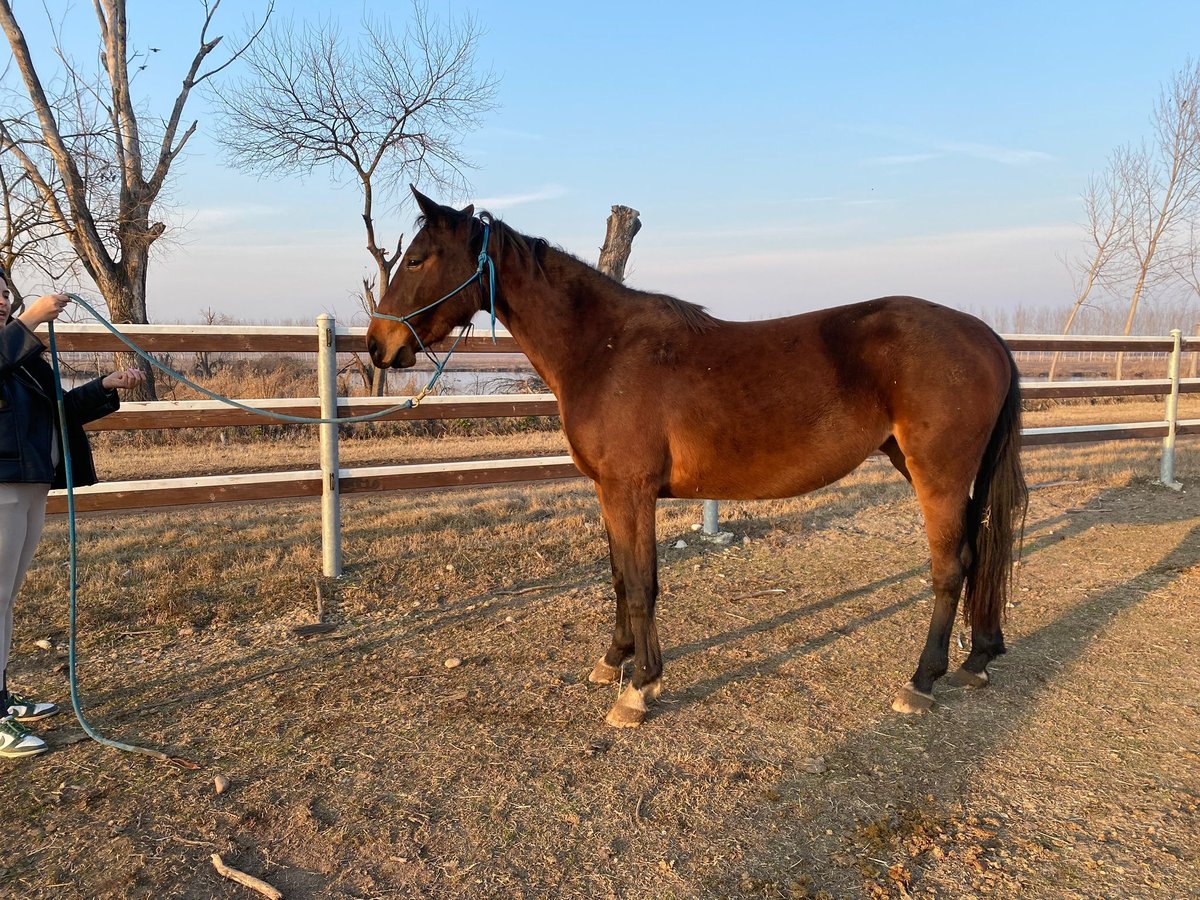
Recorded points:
778,407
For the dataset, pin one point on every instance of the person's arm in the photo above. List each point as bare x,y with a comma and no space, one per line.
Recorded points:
98,397
18,343
44,309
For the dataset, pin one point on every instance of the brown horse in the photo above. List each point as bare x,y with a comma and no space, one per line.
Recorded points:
660,399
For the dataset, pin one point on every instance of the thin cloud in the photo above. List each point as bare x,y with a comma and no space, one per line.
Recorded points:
225,216
902,159
802,201
549,192
1005,156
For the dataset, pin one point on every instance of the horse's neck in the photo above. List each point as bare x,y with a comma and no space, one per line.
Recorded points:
554,316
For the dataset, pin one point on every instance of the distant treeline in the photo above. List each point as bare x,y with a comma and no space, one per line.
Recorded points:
1152,319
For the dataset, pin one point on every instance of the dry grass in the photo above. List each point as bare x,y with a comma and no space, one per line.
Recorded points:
362,767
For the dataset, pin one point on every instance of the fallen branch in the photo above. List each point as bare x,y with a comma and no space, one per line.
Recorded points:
315,628
255,884
528,590
764,593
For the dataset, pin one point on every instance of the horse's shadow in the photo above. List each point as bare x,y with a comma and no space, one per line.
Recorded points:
702,689
950,762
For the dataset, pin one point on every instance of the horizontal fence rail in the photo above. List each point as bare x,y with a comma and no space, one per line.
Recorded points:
74,338
124,495
327,340
136,416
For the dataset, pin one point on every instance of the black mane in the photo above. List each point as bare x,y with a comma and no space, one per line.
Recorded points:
533,251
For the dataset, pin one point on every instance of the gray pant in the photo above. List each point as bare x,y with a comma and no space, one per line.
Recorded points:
22,514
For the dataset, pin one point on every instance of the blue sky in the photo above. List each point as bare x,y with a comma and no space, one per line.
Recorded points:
783,156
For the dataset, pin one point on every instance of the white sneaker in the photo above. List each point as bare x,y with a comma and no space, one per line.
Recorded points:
25,710
16,742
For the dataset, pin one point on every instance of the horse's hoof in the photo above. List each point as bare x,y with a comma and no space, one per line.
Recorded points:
603,673
910,700
966,678
629,710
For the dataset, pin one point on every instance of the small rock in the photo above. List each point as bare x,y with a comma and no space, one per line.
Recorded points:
696,526
186,631
746,540
44,644
221,784
449,567
452,663
509,619
815,766
681,545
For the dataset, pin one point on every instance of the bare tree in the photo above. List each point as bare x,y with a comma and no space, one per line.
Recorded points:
29,238
381,110
1106,225
1160,182
373,377
86,151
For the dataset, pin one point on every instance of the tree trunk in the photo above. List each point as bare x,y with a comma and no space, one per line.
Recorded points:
623,225
125,293
378,381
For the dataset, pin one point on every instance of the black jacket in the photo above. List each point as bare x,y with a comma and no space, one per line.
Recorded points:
29,416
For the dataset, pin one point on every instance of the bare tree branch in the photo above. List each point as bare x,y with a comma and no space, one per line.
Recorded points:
379,111
82,145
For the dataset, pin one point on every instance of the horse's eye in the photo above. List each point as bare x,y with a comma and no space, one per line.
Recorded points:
413,262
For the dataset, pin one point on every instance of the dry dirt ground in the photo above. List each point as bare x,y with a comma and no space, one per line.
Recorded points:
361,766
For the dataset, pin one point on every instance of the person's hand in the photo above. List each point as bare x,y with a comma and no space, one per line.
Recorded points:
44,309
124,378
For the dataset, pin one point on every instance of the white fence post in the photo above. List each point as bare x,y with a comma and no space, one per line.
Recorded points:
1167,469
331,498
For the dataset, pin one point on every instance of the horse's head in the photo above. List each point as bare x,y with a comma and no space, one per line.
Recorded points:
432,290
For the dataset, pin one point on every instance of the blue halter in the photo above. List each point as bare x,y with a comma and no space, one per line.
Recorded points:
485,261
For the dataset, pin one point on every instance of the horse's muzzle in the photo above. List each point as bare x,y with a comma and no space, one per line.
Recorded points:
403,357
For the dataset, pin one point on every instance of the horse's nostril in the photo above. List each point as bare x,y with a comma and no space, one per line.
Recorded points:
372,344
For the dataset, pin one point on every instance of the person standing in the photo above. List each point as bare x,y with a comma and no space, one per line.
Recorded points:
31,462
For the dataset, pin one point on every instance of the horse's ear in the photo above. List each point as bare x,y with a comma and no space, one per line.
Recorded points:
429,208
468,210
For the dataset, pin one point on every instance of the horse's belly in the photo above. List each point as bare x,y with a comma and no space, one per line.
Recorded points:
719,472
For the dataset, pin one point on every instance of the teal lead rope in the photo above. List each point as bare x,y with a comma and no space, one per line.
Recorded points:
72,667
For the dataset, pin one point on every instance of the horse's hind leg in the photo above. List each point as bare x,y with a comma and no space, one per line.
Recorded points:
893,452
945,513
629,518
985,646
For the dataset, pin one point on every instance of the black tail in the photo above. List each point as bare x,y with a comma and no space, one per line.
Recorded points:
997,504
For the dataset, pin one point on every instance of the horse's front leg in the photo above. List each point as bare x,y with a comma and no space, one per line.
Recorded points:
608,668
629,517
